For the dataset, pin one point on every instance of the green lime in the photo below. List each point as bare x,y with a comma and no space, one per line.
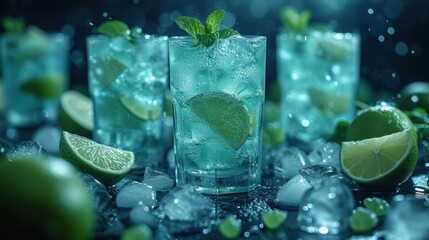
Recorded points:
335,50
380,162
47,86
44,199
378,206
330,102
137,232
415,94
274,219
225,115
273,134
230,227
107,69
140,109
272,111
362,220
105,163
168,104
274,92
76,113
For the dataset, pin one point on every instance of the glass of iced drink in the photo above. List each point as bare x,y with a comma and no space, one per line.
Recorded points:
127,82
217,93
35,66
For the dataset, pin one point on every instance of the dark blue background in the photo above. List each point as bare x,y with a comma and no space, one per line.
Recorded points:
388,60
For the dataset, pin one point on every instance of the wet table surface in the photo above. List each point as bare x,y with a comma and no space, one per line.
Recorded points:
246,207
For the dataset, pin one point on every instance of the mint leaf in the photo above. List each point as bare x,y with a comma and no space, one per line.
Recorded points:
295,21
207,34
207,39
226,33
114,28
13,25
213,21
191,25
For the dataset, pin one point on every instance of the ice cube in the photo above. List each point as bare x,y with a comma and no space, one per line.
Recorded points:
326,208
101,196
407,218
288,161
316,173
25,149
291,193
327,153
48,136
142,214
157,180
184,203
136,194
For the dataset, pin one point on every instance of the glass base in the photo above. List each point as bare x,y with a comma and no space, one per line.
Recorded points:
209,184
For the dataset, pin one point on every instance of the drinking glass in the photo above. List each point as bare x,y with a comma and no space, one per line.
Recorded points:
35,67
318,73
217,94
127,82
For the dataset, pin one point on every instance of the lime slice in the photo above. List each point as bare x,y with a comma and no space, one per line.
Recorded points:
140,109
335,50
107,69
105,163
378,206
47,86
330,102
381,162
76,113
225,115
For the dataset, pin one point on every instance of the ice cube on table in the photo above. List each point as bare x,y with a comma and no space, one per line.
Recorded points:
316,173
25,149
326,208
142,214
48,136
184,203
136,194
327,153
157,180
288,161
101,196
407,218
291,193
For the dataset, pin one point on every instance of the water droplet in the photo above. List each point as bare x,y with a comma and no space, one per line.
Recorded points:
105,14
390,30
401,49
381,38
415,99
370,11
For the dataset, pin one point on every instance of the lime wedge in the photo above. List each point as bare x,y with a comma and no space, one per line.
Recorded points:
47,86
273,219
380,162
335,50
140,109
107,69
105,163
329,102
225,115
76,113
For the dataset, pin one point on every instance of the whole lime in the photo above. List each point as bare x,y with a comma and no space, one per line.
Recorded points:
44,199
414,94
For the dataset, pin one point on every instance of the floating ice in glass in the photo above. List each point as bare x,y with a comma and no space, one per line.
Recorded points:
326,208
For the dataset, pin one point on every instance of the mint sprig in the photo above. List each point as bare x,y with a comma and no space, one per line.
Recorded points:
115,28
13,25
295,21
206,34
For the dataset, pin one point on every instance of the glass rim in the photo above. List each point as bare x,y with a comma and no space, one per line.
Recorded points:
144,36
190,38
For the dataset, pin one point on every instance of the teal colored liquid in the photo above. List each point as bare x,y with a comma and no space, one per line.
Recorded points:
25,58
318,75
204,158
143,79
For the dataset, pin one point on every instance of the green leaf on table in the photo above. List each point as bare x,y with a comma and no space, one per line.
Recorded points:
206,34
13,25
114,28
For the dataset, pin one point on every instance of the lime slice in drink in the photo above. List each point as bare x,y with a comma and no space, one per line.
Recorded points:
107,69
105,163
76,113
381,162
330,102
47,86
140,109
335,50
225,115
